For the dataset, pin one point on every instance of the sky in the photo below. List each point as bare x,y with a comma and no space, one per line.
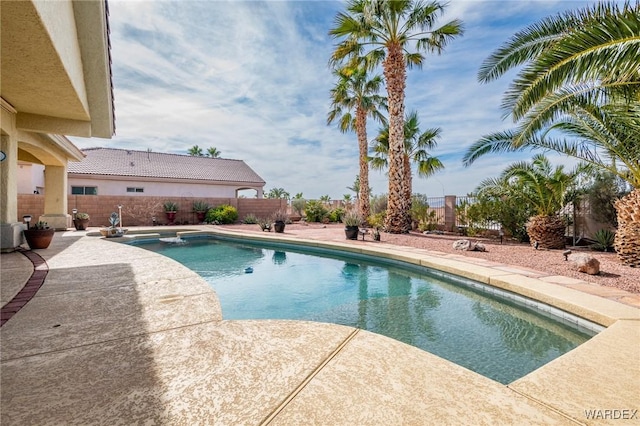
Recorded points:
251,78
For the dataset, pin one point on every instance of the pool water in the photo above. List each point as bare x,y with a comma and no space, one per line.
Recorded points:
490,336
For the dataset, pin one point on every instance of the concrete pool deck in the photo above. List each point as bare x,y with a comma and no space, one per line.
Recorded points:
115,334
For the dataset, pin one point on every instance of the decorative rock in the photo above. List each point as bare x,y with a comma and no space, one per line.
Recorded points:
585,263
461,245
478,247
466,245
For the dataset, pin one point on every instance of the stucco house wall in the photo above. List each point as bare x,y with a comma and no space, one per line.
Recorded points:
118,187
30,178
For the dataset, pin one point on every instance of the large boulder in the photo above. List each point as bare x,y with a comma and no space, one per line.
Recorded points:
586,263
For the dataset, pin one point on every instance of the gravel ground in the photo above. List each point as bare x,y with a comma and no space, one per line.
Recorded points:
612,272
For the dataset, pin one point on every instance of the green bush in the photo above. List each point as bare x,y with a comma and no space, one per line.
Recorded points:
336,214
315,211
222,214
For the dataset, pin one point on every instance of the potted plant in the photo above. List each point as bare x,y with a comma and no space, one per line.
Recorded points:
279,220
170,209
81,221
40,236
200,208
112,231
351,221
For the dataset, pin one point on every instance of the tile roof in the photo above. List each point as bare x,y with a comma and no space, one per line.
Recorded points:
149,164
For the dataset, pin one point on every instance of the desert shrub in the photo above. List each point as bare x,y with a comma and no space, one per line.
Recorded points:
336,214
604,240
376,221
223,214
250,219
420,214
378,203
315,211
298,205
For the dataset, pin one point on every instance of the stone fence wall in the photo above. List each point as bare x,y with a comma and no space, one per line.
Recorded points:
140,210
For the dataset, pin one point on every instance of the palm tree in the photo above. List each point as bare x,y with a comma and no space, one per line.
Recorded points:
213,152
278,193
355,91
195,151
416,149
580,76
545,189
383,31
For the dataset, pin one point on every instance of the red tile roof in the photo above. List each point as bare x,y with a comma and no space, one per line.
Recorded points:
148,164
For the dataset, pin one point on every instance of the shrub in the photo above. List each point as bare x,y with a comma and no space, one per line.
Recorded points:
604,240
376,221
298,205
280,216
222,214
378,203
352,218
250,219
315,211
336,214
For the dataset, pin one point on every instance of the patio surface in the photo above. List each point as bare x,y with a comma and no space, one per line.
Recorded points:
107,333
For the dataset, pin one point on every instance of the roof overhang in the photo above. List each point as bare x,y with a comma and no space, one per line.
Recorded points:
56,70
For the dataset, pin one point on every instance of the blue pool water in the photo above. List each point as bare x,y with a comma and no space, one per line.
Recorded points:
493,337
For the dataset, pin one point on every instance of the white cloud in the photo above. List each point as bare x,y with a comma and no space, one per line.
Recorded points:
251,78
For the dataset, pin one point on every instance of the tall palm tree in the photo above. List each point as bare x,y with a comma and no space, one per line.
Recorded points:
580,76
394,33
543,188
213,152
416,150
356,92
195,151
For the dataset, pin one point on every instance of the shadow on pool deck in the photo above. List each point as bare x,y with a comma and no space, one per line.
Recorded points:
121,335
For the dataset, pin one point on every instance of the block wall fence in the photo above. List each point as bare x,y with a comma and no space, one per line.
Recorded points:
139,210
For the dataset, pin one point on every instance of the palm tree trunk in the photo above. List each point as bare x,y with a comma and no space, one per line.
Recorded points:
363,194
627,241
408,189
395,76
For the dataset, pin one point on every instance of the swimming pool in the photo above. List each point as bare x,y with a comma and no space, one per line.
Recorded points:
429,310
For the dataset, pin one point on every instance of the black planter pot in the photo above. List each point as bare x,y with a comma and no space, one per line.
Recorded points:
351,232
279,226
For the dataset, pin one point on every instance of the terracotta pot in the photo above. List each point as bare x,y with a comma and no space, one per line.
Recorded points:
200,216
39,238
171,216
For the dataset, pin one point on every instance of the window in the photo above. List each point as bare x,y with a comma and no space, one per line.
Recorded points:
131,189
84,190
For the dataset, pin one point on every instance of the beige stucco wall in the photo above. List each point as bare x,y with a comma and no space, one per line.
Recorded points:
154,188
30,178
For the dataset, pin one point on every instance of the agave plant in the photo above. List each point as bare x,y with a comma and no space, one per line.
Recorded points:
604,240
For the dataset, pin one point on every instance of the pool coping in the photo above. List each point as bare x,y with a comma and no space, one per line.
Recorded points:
359,367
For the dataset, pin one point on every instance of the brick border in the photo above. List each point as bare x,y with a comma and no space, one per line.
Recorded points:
40,270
